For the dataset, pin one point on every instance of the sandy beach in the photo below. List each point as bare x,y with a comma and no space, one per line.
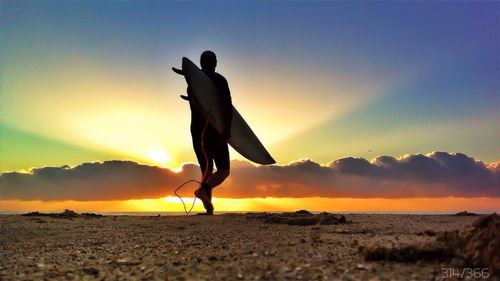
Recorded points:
254,246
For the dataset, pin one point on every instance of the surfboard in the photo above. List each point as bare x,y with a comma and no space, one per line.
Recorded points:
206,97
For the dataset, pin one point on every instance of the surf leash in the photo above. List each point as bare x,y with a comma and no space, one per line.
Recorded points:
202,178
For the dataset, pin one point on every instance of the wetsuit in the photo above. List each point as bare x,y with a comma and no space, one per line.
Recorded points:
215,145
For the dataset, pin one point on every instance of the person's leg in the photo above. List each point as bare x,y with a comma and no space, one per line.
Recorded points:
205,162
206,167
221,158
217,178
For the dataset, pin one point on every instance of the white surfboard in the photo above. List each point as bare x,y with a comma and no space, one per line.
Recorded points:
243,139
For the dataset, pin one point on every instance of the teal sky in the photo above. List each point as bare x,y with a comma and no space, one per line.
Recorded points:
91,80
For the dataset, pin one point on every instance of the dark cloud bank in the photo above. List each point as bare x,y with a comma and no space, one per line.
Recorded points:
438,174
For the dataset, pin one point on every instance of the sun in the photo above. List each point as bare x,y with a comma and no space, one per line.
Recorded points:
159,156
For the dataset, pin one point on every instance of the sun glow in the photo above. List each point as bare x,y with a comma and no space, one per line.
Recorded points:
159,156
172,199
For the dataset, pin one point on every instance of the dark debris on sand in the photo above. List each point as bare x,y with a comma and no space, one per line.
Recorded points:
67,214
465,214
477,245
428,232
301,218
409,253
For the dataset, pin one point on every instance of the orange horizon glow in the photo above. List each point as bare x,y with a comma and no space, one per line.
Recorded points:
173,204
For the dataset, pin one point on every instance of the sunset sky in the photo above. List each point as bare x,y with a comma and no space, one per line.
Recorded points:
389,82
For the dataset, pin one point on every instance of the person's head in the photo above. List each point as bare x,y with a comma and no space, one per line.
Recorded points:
208,61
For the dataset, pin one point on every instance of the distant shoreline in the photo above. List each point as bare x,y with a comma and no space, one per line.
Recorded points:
153,213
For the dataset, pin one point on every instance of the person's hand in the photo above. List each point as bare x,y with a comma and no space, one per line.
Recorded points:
178,71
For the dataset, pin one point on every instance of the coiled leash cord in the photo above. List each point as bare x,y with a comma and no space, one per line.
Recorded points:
202,178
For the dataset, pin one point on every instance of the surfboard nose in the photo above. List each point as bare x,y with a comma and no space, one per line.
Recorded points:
185,61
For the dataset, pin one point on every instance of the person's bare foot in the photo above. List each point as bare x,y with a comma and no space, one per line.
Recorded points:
205,199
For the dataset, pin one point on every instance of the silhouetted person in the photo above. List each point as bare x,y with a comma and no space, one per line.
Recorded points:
209,145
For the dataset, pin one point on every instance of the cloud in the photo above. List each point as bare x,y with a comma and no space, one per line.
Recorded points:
439,174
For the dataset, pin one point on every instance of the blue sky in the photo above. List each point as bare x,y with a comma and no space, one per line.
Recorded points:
316,80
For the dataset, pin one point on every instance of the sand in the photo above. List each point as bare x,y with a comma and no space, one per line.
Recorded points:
220,247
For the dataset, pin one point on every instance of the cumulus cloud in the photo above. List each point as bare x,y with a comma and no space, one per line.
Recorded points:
439,174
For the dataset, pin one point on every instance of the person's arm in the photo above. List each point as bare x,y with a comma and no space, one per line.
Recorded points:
188,97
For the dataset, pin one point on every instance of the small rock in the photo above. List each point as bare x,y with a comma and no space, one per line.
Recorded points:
91,271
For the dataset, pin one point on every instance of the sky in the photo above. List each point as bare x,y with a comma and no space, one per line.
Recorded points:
403,89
